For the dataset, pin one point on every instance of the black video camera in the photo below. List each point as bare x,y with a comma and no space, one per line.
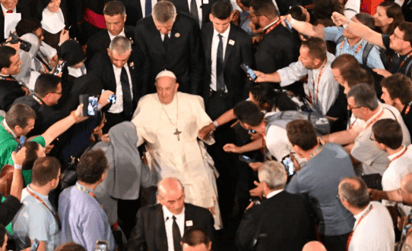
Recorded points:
24,45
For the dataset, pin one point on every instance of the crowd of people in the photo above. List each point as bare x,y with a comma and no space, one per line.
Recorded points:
205,125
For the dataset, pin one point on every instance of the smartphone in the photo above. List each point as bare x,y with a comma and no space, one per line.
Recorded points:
22,140
59,68
288,163
112,99
101,245
251,131
90,105
289,26
246,159
251,74
35,245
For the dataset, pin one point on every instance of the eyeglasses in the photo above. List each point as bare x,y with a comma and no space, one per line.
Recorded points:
59,93
396,37
352,108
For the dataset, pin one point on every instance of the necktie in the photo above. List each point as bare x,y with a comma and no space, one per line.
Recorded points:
176,235
148,8
166,41
9,11
220,84
193,10
127,96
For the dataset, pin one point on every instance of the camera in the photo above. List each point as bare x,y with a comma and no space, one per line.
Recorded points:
59,68
24,45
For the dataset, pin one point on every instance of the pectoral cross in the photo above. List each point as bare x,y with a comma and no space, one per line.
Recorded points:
177,132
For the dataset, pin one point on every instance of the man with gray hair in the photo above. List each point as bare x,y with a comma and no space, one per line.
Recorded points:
373,228
115,17
170,40
363,103
117,70
278,223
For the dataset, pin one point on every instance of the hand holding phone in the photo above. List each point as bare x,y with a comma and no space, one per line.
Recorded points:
90,105
250,73
22,140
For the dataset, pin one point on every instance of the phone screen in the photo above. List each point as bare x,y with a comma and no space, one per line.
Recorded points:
101,245
288,163
22,140
92,105
249,71
246,159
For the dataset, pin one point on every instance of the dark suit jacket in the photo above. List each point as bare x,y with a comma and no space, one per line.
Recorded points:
9,91
184,55
133,11
27,10
182,6
150,233
278,49
102,67
285,224
238,50
101,41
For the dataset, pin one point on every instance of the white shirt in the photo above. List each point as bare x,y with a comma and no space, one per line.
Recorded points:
323,93
180,220
118,106
273,193
143,5
397,169
374,232
77,72
10,20
213,51
199,4
267,26
162,36
120,34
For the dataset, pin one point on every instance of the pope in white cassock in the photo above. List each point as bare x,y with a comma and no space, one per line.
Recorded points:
169,122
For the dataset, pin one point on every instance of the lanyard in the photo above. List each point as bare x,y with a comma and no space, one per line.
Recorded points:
357,49
85,190
374,120
7,128
400,155
56,216
37,99
403,61
272,27
316,90
360,219
9,78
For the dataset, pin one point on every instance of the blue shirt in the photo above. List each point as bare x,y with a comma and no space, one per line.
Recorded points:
373,61
83,219
319,179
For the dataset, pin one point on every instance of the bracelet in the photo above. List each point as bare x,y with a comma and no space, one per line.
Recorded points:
17,166
346,25
216,124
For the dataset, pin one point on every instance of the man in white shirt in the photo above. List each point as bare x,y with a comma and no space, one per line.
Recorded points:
373,229
314,61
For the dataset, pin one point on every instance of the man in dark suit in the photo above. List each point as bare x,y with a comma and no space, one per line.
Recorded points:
115,17
10,89
278,47
226,47
198,9
161,227
117,70
24,7
167,40
280,222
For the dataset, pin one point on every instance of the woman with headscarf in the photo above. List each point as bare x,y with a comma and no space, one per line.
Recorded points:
53,21
126,172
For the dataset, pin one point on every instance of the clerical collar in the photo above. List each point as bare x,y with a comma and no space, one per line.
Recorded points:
272,23
120,34
273,193
168,215
6,126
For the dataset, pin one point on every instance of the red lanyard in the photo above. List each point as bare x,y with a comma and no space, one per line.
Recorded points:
361,218
357,49
83,189
400,155
316,91
403,61
374,120
273,26
56,216
408,108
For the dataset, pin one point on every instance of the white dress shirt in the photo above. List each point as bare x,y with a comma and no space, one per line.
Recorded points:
180,220
162,36
143,5
215,43
10,20
273,193
120,34
118,106
199,4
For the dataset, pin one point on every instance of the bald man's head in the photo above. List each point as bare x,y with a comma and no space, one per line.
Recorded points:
171,194
314,246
